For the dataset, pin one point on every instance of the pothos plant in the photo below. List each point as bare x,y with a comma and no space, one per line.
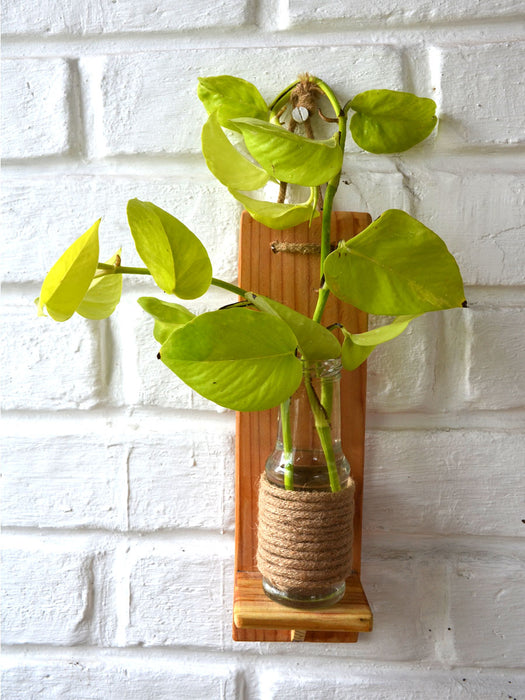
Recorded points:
248,356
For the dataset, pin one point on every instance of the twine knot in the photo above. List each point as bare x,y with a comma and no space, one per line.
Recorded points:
305,94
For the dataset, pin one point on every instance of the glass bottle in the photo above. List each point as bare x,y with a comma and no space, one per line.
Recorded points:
308,457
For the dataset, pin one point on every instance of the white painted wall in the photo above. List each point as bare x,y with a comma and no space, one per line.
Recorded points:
118,486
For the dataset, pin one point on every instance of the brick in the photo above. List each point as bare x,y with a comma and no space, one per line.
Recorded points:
177,594
496,379
167,473
134,104
65,207
481,221
69,18
486,604
400,372
385,683
47,593
49,365
62,481
127,678
35,113
475,106
402,622
444,482
365,187
309,12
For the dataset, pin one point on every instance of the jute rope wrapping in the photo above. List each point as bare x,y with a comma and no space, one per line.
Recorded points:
304,537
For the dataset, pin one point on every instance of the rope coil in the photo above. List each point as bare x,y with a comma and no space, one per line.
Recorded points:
305,537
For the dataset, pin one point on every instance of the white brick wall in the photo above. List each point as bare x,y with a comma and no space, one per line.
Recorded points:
118,481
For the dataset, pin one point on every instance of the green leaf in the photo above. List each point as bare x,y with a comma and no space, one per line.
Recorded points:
276,215
358,346
168,316
68,280
252,368
226,163
173,254
231,97
388,121
290,157
316,343
103,294
395,266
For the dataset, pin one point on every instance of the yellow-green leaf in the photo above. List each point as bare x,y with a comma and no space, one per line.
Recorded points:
238,358
228,165
168,316
103,294
315,342
389,121
231,97
395,266
358,346
276,215
176,258
290,157
68,280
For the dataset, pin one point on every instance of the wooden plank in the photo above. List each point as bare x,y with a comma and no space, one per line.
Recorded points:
253,609
293,279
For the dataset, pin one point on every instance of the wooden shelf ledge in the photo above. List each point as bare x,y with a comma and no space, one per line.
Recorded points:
252,609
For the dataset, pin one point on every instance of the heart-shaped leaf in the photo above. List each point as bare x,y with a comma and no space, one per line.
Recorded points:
68,280
276,215
388,121
103,295
231,97
358,346
252,368
177,260
395,266
290,157
226,163
168,316
316,343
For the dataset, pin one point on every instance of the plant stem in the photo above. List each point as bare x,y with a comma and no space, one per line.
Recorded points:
280,99
331,189
229,287
322,426
109,269
287,445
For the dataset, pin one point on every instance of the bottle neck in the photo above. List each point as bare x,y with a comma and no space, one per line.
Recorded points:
308,452
316,400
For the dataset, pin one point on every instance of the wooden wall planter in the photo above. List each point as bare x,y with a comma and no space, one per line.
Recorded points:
293,278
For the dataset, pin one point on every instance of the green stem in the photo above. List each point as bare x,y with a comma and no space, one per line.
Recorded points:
286,431
327,396
109,269
331,189
229,287
322,425
281,98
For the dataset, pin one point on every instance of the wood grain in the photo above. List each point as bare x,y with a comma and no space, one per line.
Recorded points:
293,279
253,609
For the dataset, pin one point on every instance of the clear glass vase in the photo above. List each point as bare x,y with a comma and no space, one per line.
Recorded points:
308,459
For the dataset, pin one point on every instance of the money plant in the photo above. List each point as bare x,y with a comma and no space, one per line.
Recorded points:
248,356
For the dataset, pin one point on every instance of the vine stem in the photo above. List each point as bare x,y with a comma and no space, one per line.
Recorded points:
322,425
331,189
108,269
287,445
